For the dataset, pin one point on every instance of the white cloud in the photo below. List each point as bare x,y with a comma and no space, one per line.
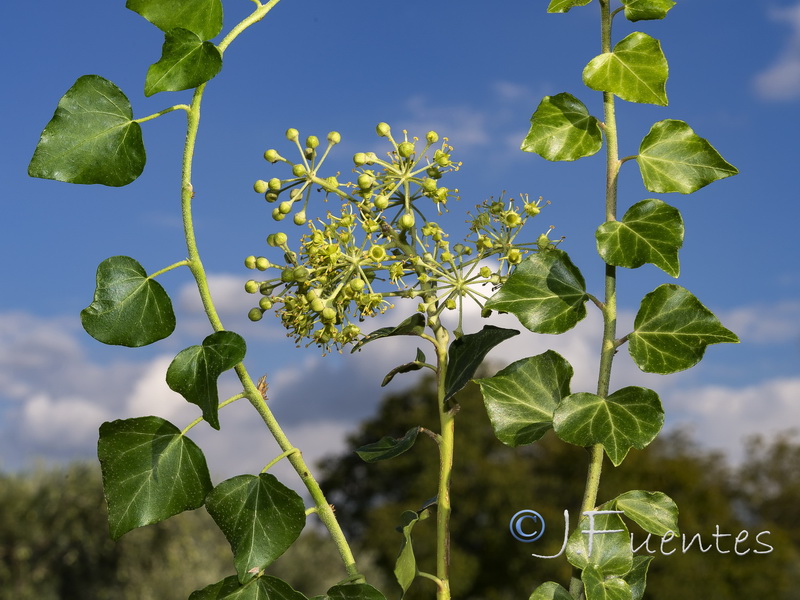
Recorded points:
781,80
63,424
766,324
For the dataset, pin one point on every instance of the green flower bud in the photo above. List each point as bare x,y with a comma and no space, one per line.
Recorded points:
432,137
446,256
406,221
277,215
405,149
274,184
433,173
359,158
250,262
285,207
300,274
383,129
292,134
270,197
260,186
295,195
328,314
298,170
365,181
429,185
532,210
486,272
265,303
262,264
251,287
255,314
287,275
280,239
334,137
312,141
543,242
300,218
371,157
272,156
381,202
317,305
450,304
357,285
332,181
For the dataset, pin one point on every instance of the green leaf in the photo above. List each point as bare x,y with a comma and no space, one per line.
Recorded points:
650,232
413,325
405,569
673,158
636,70
546,292
260,518
91,138
261,588
388,447
150,472
628,418
202,17
550,590
521,398
467,353
672,330
186,62
415,365
354,591
644,10
129,308
610,552
562,130
562,6
599,587
637,576
655,512
194,371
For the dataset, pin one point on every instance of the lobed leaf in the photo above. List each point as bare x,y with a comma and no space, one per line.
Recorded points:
644,10
599,587
129,308
466,354
562,130
260,588
637,576
202,17
92,137
388,447
186,62
150,472
521,398
655,512
610,551
673,158
562,6
672,330
651,231
413,325
550,590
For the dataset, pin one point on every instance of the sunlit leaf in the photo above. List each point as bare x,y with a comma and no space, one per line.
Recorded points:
405,569
261,588
562,6
409,367
655,512
672,330
202,17
643,10
186,62
637,576
150,472
413,325
388,447
600,587
467,353
129,308
610,551
91,138
562,130
550,590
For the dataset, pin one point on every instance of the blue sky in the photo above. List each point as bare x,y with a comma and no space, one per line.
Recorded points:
473,71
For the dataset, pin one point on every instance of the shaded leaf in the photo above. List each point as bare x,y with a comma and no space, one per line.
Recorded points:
261,588
655,512
562,130
202,17
562,6
672,330
521,398
416,365
260,518
467,353
599,587
150,472
388,447
186,62
546,292
413,325
636,70
550,590
610,551
643,10
193,373
354,591
650,232
129,308
628,418
91,138
673,158
405,569
637,576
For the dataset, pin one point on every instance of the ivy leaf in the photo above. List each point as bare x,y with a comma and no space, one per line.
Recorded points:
388,447
650,232
655,512
186,62
92,137
546,292
562,130
194,371
636,70
354,591
562,6
637,576
129,308
672,330
467,353
610,551
550,590
405,569
260,518
521,398
599,587
261,588
415,365
673,158
413,325
202,17
645,10
150,472
628,418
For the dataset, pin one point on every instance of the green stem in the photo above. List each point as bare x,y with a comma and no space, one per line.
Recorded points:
163,112
446,447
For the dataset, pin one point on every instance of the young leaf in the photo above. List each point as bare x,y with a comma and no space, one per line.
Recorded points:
202,17
628,418
644,10
129,308
194,371
673,158
467,353
150,472
599,587
354,591
650,232
672,330
186,62
550,590
388,447
413,325
409,367
635,71
546,292
637,576
405,569
261,588
610,551
562,130
655,512
260,518
521,398
91,138
562,6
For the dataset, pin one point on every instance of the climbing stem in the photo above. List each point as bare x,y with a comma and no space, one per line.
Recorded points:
446,447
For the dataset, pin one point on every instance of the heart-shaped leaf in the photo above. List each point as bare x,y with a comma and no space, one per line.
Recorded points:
413,325
550,590
353,591
260,518
672,330
562,6
546,292
644,10
600,587
388,447
562,130
129,308
655,512
405,569
467,353
261,588
521,398
637,576
635,71
193,373
650,232
91,138
673,158
186,62
202,17
609,552
150,472
628,418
